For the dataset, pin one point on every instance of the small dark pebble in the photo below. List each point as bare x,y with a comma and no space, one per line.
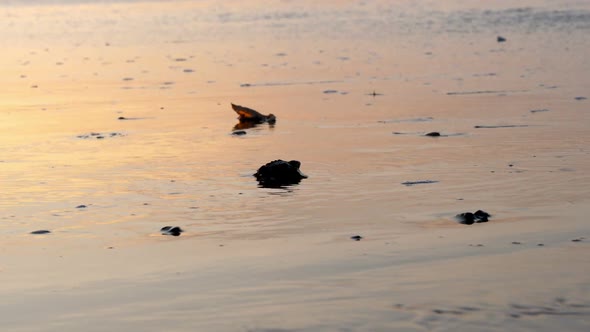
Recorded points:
433,134
580,98
170,230
578,239
41,231
540,245
356,237
99,137
81,206
121,118
501,39
239,132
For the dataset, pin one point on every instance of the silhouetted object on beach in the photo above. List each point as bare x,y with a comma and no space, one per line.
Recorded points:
501,39
246,114
279,173
413,183
169,230
433,134
41,231
238,132
468,218
356,237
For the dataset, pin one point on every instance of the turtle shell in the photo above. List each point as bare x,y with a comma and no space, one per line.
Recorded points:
279,173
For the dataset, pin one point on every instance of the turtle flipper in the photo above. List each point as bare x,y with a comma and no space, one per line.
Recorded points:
246,113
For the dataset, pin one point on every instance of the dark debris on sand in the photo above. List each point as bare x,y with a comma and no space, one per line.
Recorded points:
97,135
40,232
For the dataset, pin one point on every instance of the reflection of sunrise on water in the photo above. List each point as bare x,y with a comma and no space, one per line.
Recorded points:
116,120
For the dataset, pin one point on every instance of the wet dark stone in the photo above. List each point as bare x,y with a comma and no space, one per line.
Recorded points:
501,39
468,218
279,173
81,206
171,230
356,237
239,132
41,231
433,134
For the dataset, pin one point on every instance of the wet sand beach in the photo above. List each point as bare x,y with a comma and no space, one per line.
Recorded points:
116,120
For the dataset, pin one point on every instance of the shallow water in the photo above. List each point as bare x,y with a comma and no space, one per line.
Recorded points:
342,78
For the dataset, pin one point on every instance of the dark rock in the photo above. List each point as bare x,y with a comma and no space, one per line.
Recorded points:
121,118
246,114
580,98
356,237
279,173
239,132
41,231
171,230
501,39
433,134
81,206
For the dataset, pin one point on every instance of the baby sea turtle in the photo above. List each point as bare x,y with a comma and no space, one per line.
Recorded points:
469,218
279,173
246,114
169,230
